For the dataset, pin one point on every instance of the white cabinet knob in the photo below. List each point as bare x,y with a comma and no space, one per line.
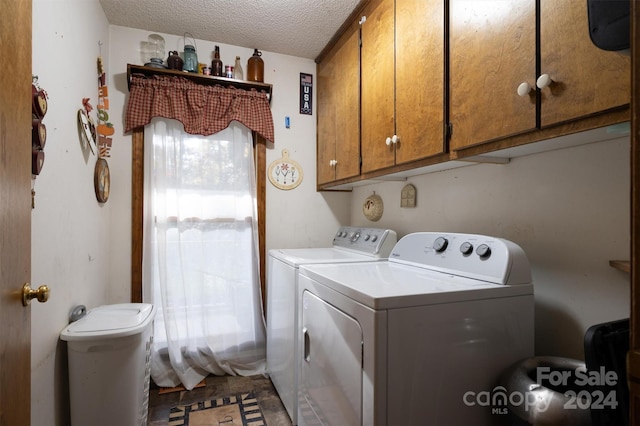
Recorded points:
332,163
543,81
392,140
524,89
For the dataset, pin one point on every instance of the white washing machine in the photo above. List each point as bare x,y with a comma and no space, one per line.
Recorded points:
350,244
419,339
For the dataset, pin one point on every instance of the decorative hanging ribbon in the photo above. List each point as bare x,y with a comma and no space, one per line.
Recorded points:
104,129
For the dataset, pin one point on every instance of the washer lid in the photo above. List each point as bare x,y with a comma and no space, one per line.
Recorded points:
390,285
111,321
302,256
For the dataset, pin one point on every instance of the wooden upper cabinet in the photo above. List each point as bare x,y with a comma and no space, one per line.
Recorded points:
586,79
492,52
402,82
338,141
419,79
377,55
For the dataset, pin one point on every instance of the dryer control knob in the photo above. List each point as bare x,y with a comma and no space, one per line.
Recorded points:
484,251
440,244
466,248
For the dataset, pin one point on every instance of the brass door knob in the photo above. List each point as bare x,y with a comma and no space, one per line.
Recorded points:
42,294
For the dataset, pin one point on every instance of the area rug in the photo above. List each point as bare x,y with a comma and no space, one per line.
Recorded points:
235,410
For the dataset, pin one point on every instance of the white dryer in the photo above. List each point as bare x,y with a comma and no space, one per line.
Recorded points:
419,339
350,244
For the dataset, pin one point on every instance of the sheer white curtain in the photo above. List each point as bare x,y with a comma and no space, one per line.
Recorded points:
200,262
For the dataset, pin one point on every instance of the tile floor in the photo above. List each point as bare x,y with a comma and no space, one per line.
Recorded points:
216,387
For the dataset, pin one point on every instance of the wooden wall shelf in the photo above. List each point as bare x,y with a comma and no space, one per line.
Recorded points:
199,78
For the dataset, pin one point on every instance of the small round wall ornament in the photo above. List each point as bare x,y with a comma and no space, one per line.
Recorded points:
373,207
285,173
102,180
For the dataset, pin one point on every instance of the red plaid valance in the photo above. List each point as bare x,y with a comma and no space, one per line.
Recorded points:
203,110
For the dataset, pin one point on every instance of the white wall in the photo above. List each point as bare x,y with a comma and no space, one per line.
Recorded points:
568,209
70,229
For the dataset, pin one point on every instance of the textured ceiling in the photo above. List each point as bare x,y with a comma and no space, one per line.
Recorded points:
291,27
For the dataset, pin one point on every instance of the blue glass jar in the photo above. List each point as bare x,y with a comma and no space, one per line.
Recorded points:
190,59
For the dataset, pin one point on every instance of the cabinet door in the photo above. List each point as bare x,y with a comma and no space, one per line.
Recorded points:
339,110
586,80
493,51
419,79
377,72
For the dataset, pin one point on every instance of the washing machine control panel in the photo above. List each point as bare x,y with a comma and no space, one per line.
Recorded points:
474,256
372,241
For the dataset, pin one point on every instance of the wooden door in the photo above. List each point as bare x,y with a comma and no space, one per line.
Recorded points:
377,56
339,110
419,79
492,51
15,211
586,79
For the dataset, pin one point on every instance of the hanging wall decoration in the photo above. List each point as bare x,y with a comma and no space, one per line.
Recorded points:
102,178
285,173
306,93
104,129
86,127
373,207
39,107
408,196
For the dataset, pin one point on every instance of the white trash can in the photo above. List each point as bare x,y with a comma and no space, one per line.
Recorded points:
109,365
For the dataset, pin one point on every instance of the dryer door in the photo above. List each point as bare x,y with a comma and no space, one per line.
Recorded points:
331,373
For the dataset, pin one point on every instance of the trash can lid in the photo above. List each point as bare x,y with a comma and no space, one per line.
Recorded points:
111,321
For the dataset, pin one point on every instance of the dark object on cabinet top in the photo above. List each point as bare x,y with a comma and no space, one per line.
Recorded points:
609,23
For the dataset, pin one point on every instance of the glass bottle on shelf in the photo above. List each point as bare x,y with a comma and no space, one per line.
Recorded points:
237,70
255,67
190,59
216,63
